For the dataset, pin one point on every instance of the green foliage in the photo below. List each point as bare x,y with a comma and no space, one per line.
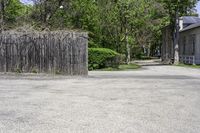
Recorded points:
99,57
58,72
12,12
34,70
110,23
92,44
18,70
184,7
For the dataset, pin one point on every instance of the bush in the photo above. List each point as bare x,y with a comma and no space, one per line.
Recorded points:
92,44
102,57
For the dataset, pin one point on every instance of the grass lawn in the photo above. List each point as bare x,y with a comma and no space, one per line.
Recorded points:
190,66
122,68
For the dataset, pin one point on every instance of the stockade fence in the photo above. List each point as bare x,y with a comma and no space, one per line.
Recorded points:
44,52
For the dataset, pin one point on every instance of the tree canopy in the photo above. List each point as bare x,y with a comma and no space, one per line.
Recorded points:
129,27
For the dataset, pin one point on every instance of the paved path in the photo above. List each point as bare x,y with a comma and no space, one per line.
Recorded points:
155,99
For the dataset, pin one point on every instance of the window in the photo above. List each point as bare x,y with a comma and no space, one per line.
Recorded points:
193,44
184,44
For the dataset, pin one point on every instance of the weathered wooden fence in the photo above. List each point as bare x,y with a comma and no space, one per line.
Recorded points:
51,52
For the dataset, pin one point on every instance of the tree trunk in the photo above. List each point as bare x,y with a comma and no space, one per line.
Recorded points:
176,41
128,58
2,10
149,50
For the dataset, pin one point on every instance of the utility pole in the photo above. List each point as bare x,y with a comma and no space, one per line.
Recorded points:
176,37
62,19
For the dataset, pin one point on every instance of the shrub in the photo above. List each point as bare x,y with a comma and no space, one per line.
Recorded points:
102,57
18,70
92,44
34,70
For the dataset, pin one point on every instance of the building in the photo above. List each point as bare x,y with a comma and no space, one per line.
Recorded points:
187,21
189,41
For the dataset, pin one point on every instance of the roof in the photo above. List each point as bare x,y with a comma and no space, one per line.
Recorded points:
190,19
191,27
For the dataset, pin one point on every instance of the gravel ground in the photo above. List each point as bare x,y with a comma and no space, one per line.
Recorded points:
154,99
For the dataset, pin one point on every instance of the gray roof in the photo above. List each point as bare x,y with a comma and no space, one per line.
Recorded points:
194,21
191,27
190,19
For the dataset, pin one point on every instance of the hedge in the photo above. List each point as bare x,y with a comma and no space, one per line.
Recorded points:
102,57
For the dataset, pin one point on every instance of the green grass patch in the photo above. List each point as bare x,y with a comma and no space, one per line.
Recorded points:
122,68
189,66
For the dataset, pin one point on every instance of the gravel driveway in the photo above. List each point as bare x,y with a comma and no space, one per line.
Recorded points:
155,99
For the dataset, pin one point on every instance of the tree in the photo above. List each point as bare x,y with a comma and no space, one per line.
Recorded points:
121,25
3,5
10,12
176,8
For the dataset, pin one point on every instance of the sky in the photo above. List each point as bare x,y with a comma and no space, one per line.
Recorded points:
26,1
198,8
29,2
